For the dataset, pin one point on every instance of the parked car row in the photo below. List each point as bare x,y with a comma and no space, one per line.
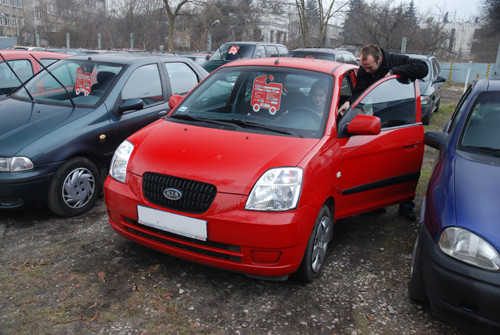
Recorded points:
248,171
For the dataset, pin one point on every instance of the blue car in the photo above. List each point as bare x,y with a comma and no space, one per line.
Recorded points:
60,129
456,257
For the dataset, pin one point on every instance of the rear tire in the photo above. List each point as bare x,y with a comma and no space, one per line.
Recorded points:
314,256
75,187
416,287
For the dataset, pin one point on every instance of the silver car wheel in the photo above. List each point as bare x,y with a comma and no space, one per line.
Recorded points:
78,188
321,240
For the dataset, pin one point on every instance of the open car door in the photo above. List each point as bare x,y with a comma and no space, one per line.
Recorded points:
381,170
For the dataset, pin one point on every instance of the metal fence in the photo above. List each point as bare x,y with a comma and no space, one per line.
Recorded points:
466,72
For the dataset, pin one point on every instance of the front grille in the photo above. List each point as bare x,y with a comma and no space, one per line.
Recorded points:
196,196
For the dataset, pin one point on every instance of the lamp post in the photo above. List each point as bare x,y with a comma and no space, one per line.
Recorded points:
209,35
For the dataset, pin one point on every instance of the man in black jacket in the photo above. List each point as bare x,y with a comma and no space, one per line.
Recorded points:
375,65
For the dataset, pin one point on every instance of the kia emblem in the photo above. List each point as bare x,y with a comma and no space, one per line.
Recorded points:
172,194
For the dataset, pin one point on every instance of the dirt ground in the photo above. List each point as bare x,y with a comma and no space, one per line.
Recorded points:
76,276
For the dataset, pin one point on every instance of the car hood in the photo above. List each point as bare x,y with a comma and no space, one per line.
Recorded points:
231,160
477,190
23,122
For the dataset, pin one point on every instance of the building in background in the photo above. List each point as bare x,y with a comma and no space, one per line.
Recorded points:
12,18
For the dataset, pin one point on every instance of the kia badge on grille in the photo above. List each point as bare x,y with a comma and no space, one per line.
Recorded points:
172,194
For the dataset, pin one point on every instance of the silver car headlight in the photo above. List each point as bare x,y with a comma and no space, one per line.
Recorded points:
425,100
277,189
469,248
119,162
15,164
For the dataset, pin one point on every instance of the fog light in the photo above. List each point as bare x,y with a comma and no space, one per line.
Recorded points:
266,257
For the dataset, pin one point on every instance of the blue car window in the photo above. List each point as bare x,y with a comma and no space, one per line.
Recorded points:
483,123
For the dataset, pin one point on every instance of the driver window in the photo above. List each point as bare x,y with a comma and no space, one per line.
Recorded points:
260,52
144,83
392,101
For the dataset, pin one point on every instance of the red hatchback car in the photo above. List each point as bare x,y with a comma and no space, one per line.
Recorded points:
25,64
250,172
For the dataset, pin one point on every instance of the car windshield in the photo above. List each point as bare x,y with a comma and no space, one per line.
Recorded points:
283,101
233,51
481,133
78,82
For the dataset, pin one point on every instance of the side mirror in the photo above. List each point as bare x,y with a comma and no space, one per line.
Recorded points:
207,57
363,125
130,104
436,139
174,100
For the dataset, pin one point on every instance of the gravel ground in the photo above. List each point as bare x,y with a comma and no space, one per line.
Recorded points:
76,276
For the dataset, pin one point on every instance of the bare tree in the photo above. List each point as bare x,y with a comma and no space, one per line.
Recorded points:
173,13
314,16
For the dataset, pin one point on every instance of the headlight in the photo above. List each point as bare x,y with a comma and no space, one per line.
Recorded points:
276,190
425,100
469,248
119,162
15,164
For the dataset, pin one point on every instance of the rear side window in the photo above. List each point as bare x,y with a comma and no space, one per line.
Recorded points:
144,83
182,78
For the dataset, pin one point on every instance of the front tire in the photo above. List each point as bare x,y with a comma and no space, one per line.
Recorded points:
75,188
416,286
314,256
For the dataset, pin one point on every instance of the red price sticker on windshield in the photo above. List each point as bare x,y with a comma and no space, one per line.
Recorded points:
234,50
83,82
266,94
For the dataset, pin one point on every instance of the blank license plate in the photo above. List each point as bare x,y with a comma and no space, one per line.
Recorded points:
173,223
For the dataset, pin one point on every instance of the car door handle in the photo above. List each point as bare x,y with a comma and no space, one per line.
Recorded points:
162,113
410,144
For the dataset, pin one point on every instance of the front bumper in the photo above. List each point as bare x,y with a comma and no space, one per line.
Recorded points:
262,244
460,294
26,189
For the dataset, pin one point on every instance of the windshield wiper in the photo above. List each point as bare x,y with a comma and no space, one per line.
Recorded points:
233,122
64,87
494,151
255,125
15,74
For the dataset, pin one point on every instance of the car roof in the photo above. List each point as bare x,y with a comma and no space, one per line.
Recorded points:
251,43
318,65
126,58
13,54
328,50
488,84
422,57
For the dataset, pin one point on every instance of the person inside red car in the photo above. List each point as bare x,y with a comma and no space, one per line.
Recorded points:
376,63
318,94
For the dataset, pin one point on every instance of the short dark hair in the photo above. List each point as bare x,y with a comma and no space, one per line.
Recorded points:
371,50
